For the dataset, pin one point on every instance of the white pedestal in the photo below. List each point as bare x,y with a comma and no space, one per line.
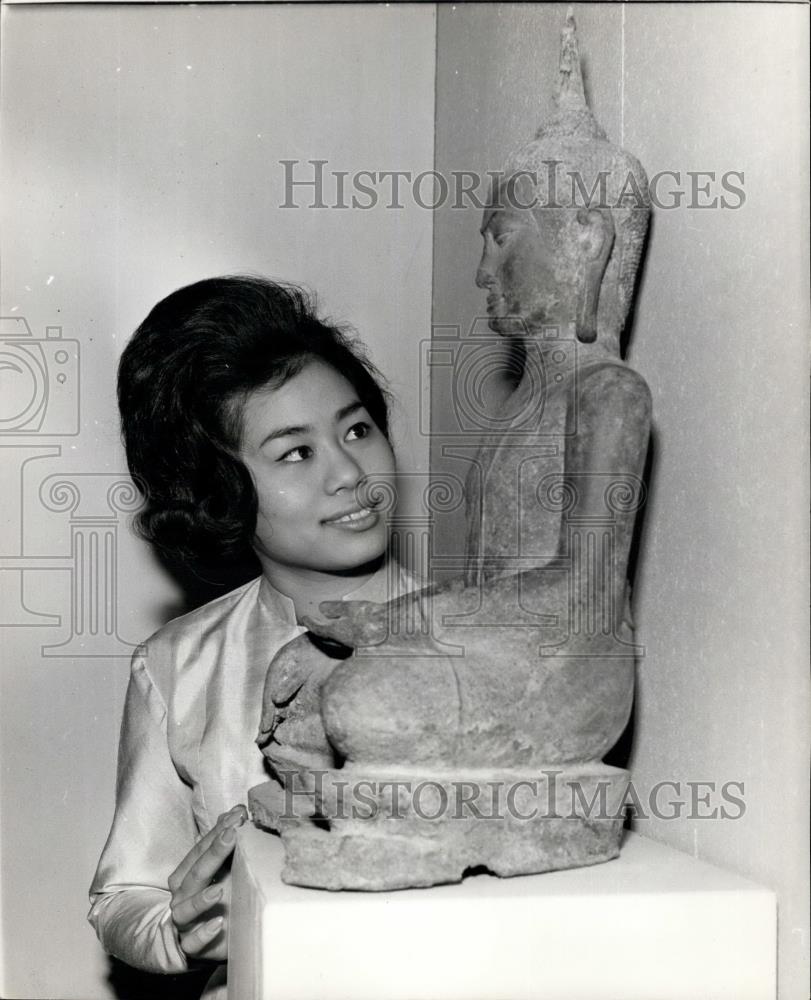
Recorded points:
655,923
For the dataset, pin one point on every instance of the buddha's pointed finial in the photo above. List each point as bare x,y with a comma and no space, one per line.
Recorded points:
570,94
571,116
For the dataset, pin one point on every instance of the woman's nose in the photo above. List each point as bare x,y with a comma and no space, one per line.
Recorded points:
344,472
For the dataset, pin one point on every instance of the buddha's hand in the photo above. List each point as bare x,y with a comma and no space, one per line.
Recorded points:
365,623
289,670
201,890
352,623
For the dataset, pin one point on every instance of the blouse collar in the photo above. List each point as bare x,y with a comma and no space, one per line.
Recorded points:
389,581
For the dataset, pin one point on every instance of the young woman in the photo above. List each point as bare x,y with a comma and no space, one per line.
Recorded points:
250,426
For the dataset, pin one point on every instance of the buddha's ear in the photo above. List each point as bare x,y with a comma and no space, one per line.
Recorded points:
595,233
595,237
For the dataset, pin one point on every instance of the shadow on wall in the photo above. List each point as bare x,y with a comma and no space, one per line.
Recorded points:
132,984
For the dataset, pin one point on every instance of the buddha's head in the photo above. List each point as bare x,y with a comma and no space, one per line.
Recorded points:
566,224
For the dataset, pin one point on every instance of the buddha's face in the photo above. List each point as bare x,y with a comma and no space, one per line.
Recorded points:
521,270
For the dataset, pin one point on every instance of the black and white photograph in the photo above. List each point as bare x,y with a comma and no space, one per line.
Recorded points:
404,480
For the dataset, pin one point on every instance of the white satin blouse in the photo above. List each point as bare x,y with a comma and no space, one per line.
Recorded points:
186,755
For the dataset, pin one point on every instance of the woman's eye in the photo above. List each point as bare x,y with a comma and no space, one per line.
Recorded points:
503,238
297,454
357,431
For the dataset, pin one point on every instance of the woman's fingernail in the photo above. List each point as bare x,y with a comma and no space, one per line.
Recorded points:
213,893
228,836
212,926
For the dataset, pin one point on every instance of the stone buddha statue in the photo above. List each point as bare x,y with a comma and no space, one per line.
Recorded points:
518,677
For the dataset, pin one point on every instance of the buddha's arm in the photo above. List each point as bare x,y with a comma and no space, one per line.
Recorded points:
609,447
415,620
605,463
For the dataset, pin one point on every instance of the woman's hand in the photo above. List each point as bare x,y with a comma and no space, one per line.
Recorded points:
201,890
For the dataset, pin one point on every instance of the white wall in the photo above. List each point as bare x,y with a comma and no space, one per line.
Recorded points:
720,334
140,152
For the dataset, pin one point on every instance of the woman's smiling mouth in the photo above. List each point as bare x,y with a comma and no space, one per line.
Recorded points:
356,520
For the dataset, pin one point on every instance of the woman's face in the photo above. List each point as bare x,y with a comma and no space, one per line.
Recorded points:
309,445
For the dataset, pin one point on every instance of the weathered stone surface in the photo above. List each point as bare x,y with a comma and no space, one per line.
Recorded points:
405,832
291,709
528,666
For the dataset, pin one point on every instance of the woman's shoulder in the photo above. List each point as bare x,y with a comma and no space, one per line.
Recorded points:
210,616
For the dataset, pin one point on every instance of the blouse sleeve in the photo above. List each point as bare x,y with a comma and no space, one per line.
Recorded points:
153,830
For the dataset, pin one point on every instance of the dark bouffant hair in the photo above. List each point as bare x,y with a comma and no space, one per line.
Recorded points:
182,382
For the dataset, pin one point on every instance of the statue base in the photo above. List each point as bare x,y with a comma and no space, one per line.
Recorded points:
655,922
376,830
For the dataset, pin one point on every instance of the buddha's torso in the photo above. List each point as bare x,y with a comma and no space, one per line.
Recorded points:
513,518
